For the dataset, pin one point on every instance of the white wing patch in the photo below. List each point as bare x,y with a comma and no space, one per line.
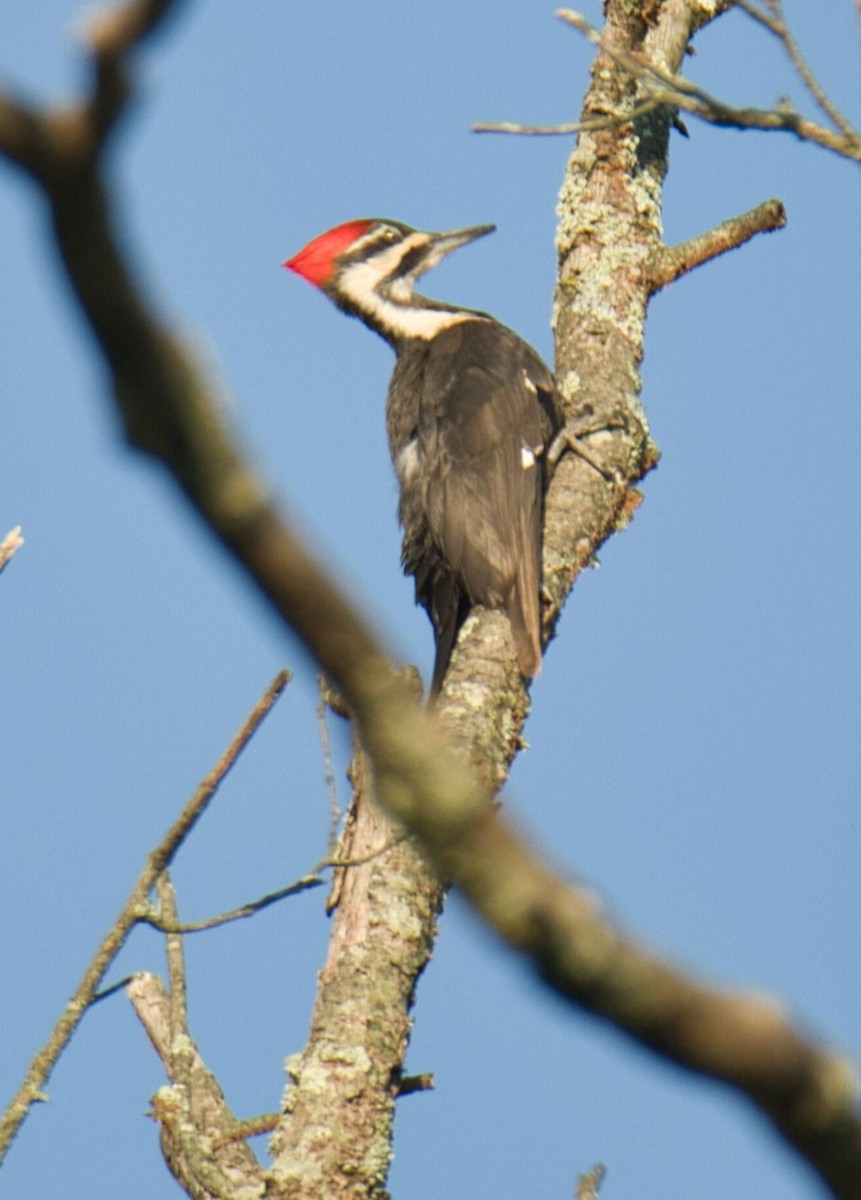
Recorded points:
407,463
527,458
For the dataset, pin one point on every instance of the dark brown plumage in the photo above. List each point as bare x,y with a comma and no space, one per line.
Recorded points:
476,404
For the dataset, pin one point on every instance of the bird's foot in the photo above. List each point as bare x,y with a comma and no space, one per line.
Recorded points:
570,437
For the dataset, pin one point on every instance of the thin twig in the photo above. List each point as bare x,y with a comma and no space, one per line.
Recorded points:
134,909
593,125
768,20
165,925
777,24
177,989
313,880
664,87
106,993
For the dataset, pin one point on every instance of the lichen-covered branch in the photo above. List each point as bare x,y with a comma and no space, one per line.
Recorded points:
196,1126
335,1137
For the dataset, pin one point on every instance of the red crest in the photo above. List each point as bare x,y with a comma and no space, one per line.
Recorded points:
316,261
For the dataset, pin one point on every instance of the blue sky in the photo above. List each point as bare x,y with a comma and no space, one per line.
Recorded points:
694,743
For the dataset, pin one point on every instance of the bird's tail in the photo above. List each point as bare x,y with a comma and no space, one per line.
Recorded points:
524,613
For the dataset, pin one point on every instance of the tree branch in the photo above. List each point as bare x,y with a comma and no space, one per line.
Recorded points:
200,1138
164,925
671,262
668,87
349,1075
593,125
776,23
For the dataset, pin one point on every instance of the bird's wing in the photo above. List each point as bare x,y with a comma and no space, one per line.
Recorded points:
482,431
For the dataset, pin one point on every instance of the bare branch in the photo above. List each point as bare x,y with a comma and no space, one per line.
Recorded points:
22,134
591,126
11,543
776,23
115,32
67,141
165,924
410,1084
132,911
177,986
665,87
674,261
113,36
199,1134
810,1093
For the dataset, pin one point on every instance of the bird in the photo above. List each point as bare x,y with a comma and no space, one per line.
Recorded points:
470,415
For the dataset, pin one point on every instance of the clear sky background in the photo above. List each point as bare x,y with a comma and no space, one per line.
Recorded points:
695,744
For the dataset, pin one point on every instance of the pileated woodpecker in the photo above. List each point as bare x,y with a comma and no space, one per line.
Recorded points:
470,412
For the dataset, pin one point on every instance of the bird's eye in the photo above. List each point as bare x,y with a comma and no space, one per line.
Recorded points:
390,234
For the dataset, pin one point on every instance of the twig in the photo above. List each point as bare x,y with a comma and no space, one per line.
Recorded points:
593,125
10,544
117,31
177,990
410,1084
157,920
674,261
665,87
777,24
166,925
132,912
106,993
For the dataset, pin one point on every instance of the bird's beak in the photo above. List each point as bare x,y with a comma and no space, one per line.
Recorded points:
438,245
452,239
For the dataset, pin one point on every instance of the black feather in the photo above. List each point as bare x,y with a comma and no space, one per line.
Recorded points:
467,410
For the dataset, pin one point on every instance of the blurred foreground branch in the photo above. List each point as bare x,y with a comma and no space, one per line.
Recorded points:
12,542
